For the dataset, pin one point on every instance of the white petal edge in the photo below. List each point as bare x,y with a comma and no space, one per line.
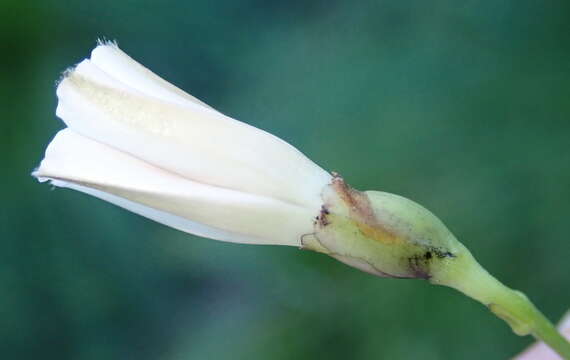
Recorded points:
162,217
82,164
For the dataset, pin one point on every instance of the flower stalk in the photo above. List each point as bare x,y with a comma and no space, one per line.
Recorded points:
512,306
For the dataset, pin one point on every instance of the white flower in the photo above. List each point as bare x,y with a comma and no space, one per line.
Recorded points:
139,142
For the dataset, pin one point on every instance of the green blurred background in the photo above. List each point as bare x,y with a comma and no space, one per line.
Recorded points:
461,106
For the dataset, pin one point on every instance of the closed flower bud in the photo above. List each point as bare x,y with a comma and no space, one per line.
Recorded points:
139,142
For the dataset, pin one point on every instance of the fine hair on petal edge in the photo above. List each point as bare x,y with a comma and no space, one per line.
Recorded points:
102,41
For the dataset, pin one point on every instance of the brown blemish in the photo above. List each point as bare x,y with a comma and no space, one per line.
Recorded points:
321,219
356,201
378,233
441,253
361,212
420,264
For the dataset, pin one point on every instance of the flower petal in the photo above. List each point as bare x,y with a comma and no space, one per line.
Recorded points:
113,61
86,165
194,142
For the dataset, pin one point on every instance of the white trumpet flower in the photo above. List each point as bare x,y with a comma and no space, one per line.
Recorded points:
139,142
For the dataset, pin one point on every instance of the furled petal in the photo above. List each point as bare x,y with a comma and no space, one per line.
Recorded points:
77,162
102,103
141,143
113,61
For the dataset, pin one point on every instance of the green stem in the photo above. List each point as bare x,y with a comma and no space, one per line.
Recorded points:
466,275
546,332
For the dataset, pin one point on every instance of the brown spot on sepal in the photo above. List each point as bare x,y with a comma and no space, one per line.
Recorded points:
357,202
420,264
361,212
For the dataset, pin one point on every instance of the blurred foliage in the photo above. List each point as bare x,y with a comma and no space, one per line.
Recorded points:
461,106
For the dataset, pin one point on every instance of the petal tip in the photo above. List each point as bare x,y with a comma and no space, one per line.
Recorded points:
39,176
106,42
36,173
